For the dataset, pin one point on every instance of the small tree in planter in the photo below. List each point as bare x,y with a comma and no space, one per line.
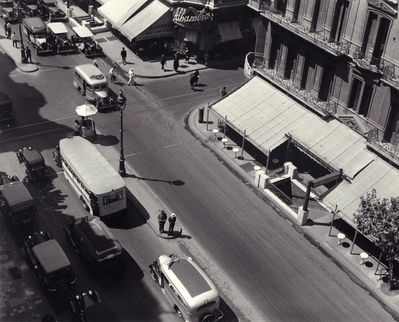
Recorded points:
379,219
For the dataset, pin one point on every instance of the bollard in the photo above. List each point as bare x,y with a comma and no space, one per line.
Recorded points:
201,115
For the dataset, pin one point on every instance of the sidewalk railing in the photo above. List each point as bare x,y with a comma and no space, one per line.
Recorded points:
325,107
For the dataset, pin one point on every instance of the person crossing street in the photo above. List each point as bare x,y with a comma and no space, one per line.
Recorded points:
123,55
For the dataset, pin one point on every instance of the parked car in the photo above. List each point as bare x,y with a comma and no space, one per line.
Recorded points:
33,162
50,263
89,306
7,116
49,10
95,242
29,8
58,33
84,39
7,11
16,202
36,32
4,178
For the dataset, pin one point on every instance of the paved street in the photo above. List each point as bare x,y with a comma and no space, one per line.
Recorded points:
265,269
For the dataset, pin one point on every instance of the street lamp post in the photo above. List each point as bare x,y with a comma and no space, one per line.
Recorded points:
23,57
121,100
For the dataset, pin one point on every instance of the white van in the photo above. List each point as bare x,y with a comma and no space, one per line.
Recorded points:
188,289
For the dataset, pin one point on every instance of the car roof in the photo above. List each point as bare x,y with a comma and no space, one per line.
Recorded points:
35,23
15,193
57,27
100,239
32,156
51,256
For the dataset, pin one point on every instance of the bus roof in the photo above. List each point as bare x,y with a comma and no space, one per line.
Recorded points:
91,74
190,280
90,166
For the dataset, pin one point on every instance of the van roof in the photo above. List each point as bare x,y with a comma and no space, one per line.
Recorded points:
189,279
15,193
51,256
100,239
91,74
36,24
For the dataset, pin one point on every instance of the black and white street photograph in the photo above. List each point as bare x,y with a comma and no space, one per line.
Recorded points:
199,160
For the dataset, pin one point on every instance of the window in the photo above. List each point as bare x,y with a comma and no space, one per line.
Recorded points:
112,198
341,9
296,10
375,37
315,17
360,97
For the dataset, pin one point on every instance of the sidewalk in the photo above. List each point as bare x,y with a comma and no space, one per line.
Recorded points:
361,272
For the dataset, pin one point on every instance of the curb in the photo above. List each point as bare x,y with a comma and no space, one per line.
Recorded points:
20,66
356,278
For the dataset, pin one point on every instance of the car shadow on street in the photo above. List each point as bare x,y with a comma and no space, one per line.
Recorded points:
228,314
132,218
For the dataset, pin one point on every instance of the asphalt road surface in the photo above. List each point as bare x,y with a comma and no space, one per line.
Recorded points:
265,269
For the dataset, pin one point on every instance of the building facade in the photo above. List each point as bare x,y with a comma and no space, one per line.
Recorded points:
338,57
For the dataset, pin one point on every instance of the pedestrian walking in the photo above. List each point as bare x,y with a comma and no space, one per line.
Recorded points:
163,62
223,91
176,63
162,217
14,40
187,55
8,30
123,55
132,77
172,222
95,63
28,54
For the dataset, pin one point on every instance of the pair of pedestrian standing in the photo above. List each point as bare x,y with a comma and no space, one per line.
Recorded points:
162,218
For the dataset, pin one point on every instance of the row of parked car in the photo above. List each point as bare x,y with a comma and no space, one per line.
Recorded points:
89,236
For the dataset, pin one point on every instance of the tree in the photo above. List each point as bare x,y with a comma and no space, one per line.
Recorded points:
379,219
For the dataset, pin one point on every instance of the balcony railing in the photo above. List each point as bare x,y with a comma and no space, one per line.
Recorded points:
388,150
390,73
325,108
318,38
372,63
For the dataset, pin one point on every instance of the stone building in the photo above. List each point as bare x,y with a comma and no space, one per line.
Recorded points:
338,58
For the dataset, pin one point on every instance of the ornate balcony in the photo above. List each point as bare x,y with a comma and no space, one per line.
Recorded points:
318,38
386,149
390,74
323,108
372,63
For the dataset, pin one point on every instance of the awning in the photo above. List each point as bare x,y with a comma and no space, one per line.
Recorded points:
229,31
379,175
103,1
144,19
268,115
118,11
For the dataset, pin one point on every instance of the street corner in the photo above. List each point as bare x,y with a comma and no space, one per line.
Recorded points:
14,54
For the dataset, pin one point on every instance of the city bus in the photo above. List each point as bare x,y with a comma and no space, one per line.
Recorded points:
98,185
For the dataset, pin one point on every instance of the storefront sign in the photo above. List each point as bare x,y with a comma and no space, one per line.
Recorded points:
190,16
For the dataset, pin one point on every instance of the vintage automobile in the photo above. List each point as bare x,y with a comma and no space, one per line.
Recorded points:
95,243
49,10
16,202
93,85
50,263
85,42
89,306
7,116
58,34
8,11
29,8
33,162
36,32
187,288
4,178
